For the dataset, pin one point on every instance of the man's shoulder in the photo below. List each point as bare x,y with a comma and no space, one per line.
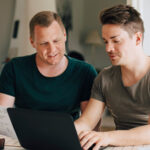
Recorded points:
110,70
21,62
22,58
79,63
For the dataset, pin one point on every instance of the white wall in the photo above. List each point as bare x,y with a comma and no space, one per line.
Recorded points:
145,12
6,17
143,6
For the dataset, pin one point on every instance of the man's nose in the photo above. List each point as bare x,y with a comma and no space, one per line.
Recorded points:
109,47
51,47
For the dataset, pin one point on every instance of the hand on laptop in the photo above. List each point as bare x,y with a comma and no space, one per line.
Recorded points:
89,138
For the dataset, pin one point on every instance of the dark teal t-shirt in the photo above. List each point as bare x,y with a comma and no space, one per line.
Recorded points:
20,78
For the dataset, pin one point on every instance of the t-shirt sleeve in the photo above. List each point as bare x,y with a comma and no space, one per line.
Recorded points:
96,91
89,78
7,80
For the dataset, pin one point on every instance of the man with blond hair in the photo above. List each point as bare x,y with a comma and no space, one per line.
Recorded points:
49,79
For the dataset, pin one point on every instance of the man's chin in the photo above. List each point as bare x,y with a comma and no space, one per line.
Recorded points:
52,63
114,63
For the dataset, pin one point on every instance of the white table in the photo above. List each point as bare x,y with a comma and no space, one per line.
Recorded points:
13,144
143,147
108,148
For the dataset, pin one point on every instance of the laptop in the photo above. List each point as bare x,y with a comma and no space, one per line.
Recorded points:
44,130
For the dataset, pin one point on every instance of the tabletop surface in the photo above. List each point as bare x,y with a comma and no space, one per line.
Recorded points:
13,144
108,148
142,147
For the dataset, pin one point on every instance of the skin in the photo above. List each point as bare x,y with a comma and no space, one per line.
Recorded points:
49,43
127,52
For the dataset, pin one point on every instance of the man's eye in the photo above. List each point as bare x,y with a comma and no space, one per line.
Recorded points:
46,43
56,41
116,41
105,42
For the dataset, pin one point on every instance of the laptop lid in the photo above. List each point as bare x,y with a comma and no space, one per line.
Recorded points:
45,130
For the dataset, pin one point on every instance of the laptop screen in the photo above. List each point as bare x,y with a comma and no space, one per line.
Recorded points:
45,130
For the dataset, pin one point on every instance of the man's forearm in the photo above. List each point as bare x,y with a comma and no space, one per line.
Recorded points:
135,136
87,122
82,125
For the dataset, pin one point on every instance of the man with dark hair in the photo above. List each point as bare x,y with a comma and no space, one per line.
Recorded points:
122,87
47,80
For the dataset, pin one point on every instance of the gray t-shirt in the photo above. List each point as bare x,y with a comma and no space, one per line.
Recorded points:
129,106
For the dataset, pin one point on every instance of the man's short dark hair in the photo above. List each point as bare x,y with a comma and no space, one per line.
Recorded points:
44,19
125,16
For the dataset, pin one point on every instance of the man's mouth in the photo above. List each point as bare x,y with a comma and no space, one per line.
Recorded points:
112,56
52,56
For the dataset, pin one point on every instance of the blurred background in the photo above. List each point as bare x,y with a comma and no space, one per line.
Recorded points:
81,21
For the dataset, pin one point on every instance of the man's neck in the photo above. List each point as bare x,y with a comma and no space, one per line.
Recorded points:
135,71
52,70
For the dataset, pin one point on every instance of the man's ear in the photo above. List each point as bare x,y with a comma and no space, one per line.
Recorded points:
65,34
139,38
32,42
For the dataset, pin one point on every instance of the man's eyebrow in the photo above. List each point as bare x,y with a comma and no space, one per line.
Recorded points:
112,37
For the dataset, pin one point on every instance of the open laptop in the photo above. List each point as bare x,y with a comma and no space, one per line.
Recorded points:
43,130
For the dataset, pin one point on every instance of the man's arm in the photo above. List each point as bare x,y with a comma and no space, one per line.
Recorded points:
135,136
90,116
6,100
83,105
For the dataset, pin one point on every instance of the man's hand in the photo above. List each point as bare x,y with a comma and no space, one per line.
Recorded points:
88,138
135,136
